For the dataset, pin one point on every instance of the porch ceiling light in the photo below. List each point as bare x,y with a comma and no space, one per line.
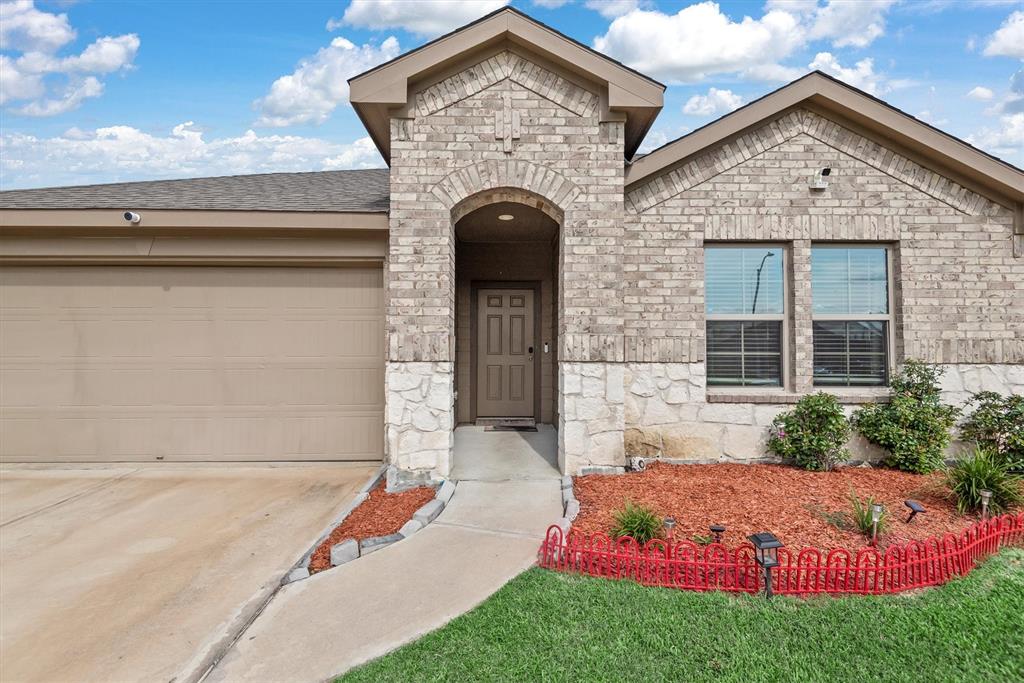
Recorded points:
505,217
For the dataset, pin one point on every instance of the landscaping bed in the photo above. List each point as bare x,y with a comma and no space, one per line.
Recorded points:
802,508
380,514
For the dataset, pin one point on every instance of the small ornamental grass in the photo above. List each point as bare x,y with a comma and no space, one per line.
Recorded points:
914,426
636,521
997,424
861,515
813,434
981,470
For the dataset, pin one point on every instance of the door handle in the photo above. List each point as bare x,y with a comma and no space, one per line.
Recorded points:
530,352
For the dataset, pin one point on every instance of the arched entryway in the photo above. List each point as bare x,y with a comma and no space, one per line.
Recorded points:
506,320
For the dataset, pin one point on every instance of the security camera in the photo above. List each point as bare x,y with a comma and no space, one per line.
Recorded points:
132,217
819,182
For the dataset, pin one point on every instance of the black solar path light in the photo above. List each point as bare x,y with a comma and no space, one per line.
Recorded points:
766,554
915,508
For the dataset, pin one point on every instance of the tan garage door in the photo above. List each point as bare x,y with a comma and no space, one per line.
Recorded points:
191,363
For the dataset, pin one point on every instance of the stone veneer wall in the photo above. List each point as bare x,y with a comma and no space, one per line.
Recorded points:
591,417
667,414
420,418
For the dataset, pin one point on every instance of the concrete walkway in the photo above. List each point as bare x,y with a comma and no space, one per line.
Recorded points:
318,628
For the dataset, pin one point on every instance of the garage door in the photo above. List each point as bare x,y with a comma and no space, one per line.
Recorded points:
191,363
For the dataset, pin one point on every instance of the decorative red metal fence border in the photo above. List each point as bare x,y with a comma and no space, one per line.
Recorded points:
688,566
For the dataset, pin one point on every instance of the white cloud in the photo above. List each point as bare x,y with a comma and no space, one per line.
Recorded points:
851,23
44,83
981,93
427,18
1005,141
550,4
930,117
24,28
652,42
861,75
125,153
847,23
715,102
70,99
610,9
320,83
1008,40
661,136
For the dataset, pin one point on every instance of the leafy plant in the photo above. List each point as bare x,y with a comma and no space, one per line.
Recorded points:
861,515
983,469
701,539
813,434
636,521
997,425
914,426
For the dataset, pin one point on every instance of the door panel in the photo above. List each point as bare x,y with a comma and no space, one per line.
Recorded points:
505,353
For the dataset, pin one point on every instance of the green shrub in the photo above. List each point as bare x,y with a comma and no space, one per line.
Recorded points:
983,469
997,425
638,522
861,515
914,426
813,434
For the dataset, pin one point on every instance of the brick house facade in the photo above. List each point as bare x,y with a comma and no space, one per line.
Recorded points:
513,176
513,124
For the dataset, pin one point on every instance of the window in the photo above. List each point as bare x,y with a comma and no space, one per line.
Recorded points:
745,303
851,315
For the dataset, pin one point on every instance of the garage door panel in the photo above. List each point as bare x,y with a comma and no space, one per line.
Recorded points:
191,363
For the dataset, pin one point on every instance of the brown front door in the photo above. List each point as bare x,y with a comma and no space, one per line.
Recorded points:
505,353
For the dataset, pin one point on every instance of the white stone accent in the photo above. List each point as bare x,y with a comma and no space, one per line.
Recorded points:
591,415
961,380
420,408
659,424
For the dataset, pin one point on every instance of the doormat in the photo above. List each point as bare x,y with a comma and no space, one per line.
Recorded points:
510,428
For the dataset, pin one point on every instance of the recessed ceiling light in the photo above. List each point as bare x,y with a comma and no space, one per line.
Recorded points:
505,217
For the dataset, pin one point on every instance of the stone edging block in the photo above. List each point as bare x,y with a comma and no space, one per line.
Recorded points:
351,549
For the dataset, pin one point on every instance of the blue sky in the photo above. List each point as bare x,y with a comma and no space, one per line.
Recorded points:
101,91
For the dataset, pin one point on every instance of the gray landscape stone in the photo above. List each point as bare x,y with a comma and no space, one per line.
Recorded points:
297,574
375,543
566,482
410,527
429,512
567,495
572,509
601,469
374,480
343,552
445,493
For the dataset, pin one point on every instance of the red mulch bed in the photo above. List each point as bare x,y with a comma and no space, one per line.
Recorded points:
380,514
784,500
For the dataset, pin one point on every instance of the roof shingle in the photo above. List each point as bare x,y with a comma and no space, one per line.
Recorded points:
354,191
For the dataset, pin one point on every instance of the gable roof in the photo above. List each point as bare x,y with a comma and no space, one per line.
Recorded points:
951,155
374,92
356,191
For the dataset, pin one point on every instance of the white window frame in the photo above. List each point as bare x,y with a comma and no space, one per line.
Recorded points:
890,344
784,364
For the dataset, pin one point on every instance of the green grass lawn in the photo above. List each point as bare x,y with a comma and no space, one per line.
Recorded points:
548,626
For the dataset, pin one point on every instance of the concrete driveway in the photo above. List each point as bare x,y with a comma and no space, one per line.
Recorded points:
144,573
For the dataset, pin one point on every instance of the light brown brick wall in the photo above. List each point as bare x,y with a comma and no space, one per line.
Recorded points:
448,152
960,290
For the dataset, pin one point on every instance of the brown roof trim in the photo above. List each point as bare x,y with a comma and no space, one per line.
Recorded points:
874,115
112,220
374,92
